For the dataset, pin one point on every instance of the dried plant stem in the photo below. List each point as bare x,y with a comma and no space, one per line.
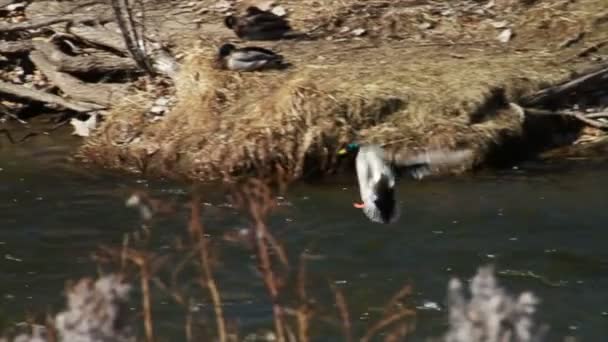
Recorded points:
343,310
405,291
188,326
386,321
146,302
269,278
207,280
303,313
278,248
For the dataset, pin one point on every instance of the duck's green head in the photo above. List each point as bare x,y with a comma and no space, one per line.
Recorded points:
350,148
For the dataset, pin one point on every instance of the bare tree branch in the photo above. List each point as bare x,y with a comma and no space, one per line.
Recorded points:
124,17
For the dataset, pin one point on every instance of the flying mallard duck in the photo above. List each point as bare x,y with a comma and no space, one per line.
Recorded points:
247,59
257,24
376,176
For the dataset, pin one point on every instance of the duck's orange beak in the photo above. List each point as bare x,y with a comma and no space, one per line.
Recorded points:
358,205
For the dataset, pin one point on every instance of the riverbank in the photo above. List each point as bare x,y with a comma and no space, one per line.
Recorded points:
407,75
518,220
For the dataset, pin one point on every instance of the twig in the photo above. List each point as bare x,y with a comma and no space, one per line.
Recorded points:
278,248
597,115
146,299
404,292
587,51
8,135
386,322
207,280
343,310
23,139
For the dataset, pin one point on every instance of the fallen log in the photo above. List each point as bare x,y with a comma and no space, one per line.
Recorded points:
103,94
41,96
93,63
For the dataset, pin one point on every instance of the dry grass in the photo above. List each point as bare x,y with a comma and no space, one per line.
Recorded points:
406,94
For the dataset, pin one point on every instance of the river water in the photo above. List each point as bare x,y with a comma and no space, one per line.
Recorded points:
543,226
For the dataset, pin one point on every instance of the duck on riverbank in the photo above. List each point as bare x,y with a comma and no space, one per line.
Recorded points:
257,24
376,176
249,58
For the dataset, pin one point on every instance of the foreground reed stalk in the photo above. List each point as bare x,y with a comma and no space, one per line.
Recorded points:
207,280
269,278
303,313
343,310
146,301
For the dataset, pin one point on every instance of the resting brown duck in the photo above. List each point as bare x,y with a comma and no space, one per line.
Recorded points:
257,24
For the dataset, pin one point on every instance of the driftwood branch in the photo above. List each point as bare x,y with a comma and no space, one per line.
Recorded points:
593,77
588,119
4,3
43,22
101,36
93,63
40,96
102,94
15,47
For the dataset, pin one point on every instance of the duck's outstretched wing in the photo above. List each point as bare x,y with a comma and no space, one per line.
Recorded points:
432,161
382,206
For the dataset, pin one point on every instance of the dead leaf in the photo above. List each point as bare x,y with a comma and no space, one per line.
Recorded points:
222,6
265,5
359,32
505,35
279,10
499,24
425,26
84,128
16,6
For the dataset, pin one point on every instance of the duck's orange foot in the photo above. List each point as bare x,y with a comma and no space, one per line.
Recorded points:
358,205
